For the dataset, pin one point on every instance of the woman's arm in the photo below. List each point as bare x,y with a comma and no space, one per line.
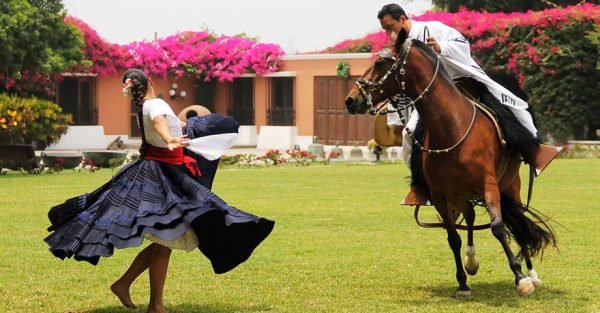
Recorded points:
162,127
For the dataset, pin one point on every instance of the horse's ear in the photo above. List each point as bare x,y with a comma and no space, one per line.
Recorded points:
400,40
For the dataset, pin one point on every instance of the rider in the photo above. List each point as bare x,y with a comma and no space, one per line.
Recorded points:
455,54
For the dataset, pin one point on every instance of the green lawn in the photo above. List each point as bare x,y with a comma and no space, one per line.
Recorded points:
341,244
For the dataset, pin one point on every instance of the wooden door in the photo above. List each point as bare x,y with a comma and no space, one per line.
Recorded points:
333,124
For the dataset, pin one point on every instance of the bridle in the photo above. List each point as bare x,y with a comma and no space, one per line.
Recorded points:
366,87
402,101
399,101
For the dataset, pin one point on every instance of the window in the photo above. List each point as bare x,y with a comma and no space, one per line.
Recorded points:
241,100
76,97
281,105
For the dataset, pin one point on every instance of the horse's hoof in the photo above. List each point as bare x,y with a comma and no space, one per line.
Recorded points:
525,286
537,282
462,294
471,265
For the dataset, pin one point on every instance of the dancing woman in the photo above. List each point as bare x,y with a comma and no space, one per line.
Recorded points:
155,198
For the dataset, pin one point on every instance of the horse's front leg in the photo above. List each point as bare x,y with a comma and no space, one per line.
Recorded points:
471,263
492,198
455,243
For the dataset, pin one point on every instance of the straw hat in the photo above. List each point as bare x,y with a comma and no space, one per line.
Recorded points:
383,135
192,110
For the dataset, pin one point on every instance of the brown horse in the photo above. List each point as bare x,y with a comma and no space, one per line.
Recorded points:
463,160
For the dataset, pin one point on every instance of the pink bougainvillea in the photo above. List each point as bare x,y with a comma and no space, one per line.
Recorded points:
197,54
490,33
547,53
371,42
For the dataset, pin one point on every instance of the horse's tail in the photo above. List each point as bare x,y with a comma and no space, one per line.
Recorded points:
532,234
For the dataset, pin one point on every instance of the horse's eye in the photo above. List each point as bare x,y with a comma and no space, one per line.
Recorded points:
379,64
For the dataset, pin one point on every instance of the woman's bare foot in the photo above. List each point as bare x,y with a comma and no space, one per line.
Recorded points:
122,292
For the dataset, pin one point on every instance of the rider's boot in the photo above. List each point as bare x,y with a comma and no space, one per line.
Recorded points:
416,196
543,156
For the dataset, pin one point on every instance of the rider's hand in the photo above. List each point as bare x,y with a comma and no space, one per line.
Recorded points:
433,44
177,142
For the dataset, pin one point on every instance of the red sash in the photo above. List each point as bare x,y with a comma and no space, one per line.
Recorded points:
174,156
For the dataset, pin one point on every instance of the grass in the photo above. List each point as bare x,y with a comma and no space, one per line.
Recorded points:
341,244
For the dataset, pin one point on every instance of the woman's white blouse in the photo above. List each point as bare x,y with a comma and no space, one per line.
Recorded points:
153,108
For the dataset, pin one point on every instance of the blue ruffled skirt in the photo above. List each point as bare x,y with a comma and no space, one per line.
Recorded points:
153,199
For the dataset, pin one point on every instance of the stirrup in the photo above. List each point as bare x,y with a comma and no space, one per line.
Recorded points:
416,197
544,156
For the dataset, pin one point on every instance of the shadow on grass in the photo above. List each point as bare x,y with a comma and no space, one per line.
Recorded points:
188,308
499,293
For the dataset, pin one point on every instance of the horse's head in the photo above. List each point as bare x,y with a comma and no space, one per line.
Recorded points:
379,82
373,86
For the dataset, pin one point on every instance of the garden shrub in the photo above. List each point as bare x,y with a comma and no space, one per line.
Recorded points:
27,120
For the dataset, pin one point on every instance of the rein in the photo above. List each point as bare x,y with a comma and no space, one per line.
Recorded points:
449,148
458,225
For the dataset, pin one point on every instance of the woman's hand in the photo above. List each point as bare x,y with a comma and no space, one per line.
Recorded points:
162,127
177,142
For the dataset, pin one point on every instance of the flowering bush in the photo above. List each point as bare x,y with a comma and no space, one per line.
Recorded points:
301,157
86,164
28,83
246,159
26,120
370,43
551,54
273,157
197,54
332,155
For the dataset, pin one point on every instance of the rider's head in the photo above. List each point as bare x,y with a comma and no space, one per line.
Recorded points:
393,19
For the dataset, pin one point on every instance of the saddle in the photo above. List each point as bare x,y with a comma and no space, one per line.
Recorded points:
539,157
469,90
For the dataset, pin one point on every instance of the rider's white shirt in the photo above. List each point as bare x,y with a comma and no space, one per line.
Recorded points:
456,57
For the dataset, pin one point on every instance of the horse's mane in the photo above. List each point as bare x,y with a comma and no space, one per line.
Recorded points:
431,56
425,49
416,163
